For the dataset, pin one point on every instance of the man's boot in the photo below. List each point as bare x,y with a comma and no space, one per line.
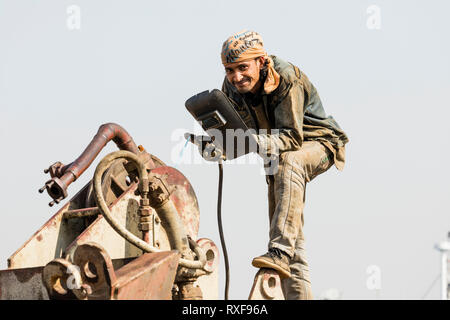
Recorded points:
274,259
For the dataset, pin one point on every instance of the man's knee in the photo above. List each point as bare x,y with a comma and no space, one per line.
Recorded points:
291,164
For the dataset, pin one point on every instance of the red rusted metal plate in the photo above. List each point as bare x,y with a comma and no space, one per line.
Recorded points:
51,239
22,284
149,277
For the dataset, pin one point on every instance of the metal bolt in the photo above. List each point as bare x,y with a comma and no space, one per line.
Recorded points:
145,211
145,219
144,226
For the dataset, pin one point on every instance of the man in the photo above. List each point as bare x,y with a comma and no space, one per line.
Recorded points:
269,94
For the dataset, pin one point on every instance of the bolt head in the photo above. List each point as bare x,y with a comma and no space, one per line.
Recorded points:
144,226
145,211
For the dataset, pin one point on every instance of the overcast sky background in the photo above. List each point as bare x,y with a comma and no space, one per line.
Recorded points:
136,62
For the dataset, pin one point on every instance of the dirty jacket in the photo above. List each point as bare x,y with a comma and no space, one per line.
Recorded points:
294,109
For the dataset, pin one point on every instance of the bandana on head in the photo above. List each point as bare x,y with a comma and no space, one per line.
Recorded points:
246,45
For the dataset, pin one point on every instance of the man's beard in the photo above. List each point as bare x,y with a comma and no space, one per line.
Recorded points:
262,78
245,89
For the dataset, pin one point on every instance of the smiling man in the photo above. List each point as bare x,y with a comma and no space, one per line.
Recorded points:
270,93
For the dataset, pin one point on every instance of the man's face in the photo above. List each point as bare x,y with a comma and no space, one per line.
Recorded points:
244,75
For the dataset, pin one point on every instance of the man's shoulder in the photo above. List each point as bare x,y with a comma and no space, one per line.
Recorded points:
286,70
290,74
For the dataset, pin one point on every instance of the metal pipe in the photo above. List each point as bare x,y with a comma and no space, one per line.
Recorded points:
170,220
81,213
146,236
64,175
106,133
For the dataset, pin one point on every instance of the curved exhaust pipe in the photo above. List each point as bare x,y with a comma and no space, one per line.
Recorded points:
64,175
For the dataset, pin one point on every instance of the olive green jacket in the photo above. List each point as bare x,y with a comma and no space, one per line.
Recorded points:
295,110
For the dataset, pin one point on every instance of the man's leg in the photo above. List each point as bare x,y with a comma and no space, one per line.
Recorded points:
286,202
298,286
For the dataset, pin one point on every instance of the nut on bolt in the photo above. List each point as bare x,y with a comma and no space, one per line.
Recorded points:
152,186
144,226
144,211
145,219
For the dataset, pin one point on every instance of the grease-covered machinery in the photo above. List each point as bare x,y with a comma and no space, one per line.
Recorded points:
130,233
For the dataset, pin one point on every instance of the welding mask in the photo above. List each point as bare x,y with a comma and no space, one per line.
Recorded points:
217,116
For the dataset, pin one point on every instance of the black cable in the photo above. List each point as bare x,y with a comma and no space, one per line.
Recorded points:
222,239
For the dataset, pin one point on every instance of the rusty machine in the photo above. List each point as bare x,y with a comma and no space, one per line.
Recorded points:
130,233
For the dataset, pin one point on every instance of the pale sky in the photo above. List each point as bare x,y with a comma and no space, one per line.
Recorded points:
136,62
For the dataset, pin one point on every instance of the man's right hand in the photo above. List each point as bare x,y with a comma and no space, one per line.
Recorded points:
208,150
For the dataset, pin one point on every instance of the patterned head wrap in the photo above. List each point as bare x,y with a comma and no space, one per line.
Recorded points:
247,45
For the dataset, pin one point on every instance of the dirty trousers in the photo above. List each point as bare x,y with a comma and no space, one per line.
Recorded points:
286,193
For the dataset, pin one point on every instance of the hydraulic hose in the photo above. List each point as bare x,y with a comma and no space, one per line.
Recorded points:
222,238
143,187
